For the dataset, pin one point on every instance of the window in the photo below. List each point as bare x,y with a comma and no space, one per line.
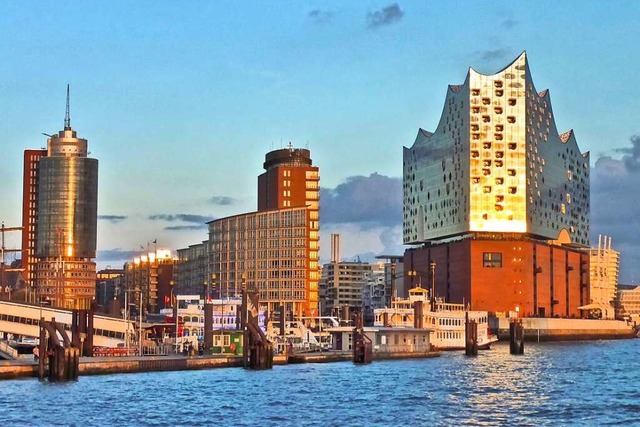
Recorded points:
492,259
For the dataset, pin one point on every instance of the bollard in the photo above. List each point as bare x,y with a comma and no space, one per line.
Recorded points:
516,337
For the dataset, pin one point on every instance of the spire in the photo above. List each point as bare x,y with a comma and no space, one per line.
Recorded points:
67,117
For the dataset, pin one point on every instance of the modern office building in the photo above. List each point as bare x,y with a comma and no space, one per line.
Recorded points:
499,200
60,213
603,273
275,249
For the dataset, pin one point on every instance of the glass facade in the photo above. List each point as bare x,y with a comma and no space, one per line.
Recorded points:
67,207
496,163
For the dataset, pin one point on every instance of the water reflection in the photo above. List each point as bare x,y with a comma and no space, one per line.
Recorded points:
551,384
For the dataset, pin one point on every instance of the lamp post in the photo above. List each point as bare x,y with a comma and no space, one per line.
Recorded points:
222,317
432,265
175,311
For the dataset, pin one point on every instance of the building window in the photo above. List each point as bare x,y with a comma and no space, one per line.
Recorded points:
492,259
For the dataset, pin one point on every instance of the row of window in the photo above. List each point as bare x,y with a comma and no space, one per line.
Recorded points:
65,326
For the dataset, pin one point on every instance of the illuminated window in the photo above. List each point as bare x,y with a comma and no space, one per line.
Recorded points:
498,110
511,119
511,172
512,145
492,259
512,101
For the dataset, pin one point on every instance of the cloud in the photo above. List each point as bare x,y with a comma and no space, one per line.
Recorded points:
509,23
223,200
499,54
321,16
112,218
614,206
115,255
385,16
198,219
370,201
186,227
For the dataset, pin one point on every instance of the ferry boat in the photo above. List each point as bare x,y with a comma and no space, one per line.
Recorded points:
446,319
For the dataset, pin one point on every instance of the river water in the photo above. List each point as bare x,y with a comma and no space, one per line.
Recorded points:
578,383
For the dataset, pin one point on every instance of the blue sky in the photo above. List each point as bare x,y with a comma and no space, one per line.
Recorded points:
180,101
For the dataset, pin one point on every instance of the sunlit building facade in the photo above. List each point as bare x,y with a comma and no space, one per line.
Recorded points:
66,218
274,250
603,285
30,181
496,169
149,276
496,163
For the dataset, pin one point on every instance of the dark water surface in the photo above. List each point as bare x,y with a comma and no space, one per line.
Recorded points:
584,383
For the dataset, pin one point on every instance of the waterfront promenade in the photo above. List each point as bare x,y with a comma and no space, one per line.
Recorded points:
135,364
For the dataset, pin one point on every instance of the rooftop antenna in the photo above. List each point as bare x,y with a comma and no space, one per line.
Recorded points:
67,117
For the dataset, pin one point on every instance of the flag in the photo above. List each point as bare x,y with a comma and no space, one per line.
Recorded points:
155,241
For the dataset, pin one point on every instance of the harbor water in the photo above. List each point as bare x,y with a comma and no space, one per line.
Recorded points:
573,383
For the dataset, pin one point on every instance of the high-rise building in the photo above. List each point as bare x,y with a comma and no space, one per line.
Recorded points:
499,199
65,204
274,250
289,180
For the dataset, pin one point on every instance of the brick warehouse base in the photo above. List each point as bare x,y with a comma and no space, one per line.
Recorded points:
501,274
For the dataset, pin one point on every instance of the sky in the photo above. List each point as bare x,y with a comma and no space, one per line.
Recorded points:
181,101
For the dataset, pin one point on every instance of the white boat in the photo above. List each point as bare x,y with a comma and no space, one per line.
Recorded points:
446,319
307,334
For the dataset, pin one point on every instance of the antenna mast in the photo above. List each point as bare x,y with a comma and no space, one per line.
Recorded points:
67,117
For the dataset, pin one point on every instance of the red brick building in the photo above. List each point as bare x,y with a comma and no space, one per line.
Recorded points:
540,279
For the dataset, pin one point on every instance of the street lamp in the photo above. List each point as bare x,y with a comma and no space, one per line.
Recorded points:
175,311
432,265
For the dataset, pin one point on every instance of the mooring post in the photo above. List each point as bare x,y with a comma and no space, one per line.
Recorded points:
516,337
470,336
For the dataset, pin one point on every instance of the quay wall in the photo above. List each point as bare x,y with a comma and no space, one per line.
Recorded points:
555,329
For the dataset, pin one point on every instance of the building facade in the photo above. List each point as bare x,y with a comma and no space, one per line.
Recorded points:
496,164
30,181
497,175
66,212
345,282
191,270
274,252
628,303
276,249
149,276
603,273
